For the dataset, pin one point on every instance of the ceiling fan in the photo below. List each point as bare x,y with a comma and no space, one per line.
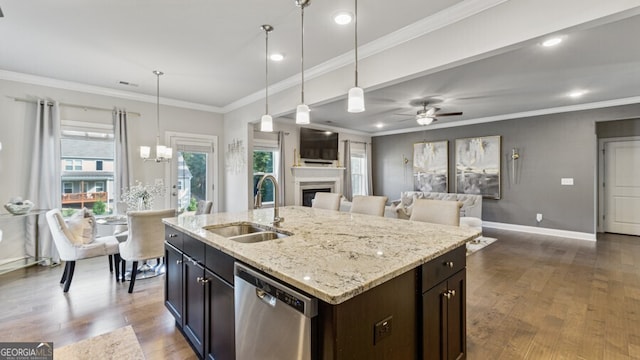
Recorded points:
428,113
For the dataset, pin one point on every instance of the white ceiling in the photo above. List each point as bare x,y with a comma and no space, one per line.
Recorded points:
212,53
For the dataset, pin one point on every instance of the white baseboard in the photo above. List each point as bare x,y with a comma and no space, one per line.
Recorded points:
540,230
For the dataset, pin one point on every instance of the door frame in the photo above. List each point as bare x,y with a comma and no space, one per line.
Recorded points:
601,177
170,138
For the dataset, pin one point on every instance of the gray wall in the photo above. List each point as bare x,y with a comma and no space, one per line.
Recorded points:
551,147
618,128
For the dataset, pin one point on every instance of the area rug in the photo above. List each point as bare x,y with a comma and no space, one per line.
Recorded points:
478,244
118,344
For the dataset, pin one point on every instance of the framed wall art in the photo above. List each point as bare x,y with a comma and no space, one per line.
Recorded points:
478,166
431,166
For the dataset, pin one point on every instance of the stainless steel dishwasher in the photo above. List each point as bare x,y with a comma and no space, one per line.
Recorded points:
273,321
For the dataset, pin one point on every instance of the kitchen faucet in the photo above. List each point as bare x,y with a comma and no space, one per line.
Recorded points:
258,199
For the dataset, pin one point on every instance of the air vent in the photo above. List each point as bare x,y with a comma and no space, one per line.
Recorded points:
126,83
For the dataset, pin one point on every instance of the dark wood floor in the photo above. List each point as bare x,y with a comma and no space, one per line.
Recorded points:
528,297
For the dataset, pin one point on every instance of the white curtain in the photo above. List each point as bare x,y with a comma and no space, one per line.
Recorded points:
44,178
281,167
123,179
367,154
347,192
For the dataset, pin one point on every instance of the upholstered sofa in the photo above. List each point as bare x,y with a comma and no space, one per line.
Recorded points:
470,212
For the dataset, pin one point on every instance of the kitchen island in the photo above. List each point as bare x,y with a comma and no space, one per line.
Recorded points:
372,277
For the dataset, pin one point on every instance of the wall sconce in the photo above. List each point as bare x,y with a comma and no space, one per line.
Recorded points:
515,155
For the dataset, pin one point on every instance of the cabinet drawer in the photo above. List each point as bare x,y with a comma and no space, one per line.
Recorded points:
173,237
220,263
194,248
443,267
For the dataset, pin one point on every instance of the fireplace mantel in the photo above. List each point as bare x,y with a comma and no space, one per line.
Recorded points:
305,176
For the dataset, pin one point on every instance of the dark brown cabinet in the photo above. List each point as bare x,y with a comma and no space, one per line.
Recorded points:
200,297
173,294
444,307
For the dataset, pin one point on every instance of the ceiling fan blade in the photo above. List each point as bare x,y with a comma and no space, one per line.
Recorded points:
449,114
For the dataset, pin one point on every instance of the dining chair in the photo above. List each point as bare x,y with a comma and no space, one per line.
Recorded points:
145,240
368,204
446,212
72,249
325,200
204,207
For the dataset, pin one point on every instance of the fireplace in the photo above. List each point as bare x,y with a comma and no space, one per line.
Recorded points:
310,179
309,194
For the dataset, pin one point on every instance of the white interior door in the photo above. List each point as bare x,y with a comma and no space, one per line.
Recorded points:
622,187
193,171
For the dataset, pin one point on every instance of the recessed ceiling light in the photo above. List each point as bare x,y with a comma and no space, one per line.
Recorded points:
343,18
552,42
276,57
576,94
379,125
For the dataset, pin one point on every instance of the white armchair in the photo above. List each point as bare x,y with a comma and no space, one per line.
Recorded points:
145,240
71,250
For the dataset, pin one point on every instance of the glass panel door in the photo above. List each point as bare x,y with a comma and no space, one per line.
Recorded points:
193,171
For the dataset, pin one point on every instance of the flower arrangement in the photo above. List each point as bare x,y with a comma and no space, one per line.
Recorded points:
141,197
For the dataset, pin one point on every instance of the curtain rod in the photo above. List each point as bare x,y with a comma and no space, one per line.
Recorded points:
357,142
74,106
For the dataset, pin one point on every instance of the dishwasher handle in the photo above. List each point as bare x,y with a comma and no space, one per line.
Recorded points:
266,297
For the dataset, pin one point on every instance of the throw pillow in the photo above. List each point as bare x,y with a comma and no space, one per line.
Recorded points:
82,226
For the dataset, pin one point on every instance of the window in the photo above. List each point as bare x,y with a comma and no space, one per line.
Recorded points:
82,145
99,186
264,163
358,170
67,187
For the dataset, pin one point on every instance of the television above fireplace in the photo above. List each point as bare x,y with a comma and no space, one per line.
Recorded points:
318,144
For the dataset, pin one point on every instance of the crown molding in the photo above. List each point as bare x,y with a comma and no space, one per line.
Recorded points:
524,114
97,90
412,31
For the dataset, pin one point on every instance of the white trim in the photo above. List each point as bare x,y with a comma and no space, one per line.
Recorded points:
98,90
446,17
540,230
555,110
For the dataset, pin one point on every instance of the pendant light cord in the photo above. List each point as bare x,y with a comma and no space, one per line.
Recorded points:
266,72
356,39
158,73
302,52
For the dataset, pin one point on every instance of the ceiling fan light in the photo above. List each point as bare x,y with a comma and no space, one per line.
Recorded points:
355,103
424,120
302,114
266,123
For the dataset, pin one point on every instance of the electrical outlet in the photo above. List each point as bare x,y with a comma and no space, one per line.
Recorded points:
538,217
382,329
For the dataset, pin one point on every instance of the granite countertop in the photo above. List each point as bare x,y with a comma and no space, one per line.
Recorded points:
331,255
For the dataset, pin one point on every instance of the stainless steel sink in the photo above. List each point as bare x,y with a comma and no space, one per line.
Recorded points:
235,229
258,237
246,232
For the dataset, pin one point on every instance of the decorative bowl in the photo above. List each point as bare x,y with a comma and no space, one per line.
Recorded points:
19,209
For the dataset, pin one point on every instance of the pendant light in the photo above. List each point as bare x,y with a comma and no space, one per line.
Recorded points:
163,153
266,122
355,102
302,110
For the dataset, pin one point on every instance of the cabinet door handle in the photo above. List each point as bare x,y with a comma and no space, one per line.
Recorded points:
173,235
178,262
449,264
447,294
202,280
452,292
